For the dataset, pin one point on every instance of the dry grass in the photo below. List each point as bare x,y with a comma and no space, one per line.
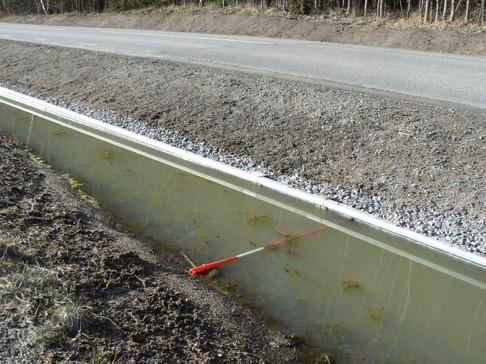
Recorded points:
48,336
39,291
9,248
73,317
65,319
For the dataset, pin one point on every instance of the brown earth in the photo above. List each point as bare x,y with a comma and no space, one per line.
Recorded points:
407,34
73,289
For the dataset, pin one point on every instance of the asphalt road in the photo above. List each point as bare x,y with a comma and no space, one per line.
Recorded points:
440,77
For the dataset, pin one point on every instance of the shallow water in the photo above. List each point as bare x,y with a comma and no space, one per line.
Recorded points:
355,291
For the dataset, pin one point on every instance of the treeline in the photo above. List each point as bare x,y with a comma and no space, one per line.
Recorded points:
426,10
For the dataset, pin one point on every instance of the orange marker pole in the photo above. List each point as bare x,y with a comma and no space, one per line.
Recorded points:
277,243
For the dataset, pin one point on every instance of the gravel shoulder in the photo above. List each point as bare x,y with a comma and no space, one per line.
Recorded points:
396,33
417,165
74,289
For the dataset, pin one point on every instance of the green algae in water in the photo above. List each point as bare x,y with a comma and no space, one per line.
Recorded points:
73,182
77,186
127,172
375,313
292,270
334,328
38,160
290,252
350,285
108,153
258,220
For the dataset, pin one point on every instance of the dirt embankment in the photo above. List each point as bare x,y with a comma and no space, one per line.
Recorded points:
72,289
449,38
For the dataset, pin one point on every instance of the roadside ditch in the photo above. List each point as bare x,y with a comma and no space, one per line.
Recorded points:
416,165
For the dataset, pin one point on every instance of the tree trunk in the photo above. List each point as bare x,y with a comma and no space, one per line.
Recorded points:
348,7
481,13
5,6
426,15
436,10
457,7
43,7
444,11
466,15
453,8
366,7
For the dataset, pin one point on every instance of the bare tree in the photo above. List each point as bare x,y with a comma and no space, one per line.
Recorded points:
43,6
379,9
444,10
428,10
481,13
4,6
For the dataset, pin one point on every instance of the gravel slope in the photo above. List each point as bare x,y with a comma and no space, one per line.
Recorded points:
417,165
75,290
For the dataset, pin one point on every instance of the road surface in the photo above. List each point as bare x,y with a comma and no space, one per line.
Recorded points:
440,77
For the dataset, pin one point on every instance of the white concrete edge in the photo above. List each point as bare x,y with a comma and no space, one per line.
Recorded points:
252,177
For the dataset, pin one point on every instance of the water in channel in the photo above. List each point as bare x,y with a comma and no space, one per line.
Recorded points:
357,292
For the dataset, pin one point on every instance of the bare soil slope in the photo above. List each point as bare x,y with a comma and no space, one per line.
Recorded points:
449,38
73,289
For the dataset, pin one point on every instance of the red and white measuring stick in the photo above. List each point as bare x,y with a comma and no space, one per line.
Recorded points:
208,266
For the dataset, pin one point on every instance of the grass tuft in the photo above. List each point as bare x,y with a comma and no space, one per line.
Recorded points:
49,336
10,290
65,319
31,289
100,356
9,248
37,278
74,317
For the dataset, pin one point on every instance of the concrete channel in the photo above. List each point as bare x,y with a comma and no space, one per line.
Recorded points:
364,289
